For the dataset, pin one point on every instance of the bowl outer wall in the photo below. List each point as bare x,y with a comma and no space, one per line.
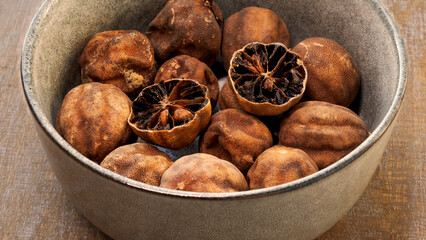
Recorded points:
125,212
125,204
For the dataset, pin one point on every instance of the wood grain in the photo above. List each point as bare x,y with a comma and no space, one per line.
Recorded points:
394,204
33,205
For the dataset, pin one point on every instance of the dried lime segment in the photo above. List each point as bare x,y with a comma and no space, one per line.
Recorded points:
267,78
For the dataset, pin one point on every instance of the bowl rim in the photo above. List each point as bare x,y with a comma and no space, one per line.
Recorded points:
49,129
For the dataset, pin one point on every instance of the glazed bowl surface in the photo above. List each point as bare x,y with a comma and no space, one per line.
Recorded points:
127,209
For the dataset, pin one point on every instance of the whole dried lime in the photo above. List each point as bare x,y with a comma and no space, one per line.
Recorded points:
333,73
187,67
93,119
267,79
139,161
325,131
252,24
236,136
201,172
227,98
124,58
190,27
278,165
171,113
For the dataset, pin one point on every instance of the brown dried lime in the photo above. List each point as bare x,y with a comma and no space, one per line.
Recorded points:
278,165
227,98
93,119
190,27
325,131
187,67
237,137
171,113
124,58
139,161
201,172
252,24
267,79
333,73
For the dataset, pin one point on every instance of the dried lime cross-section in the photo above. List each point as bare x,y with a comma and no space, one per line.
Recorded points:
171,113
267,79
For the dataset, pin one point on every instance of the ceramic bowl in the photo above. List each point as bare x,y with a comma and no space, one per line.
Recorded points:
303,209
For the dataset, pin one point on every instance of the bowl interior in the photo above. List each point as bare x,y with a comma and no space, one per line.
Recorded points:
62,28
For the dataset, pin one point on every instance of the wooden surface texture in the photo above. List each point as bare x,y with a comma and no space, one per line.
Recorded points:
33,206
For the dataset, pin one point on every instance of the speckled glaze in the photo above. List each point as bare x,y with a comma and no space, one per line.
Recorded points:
303,209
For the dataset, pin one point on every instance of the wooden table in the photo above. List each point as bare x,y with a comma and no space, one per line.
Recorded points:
32,204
